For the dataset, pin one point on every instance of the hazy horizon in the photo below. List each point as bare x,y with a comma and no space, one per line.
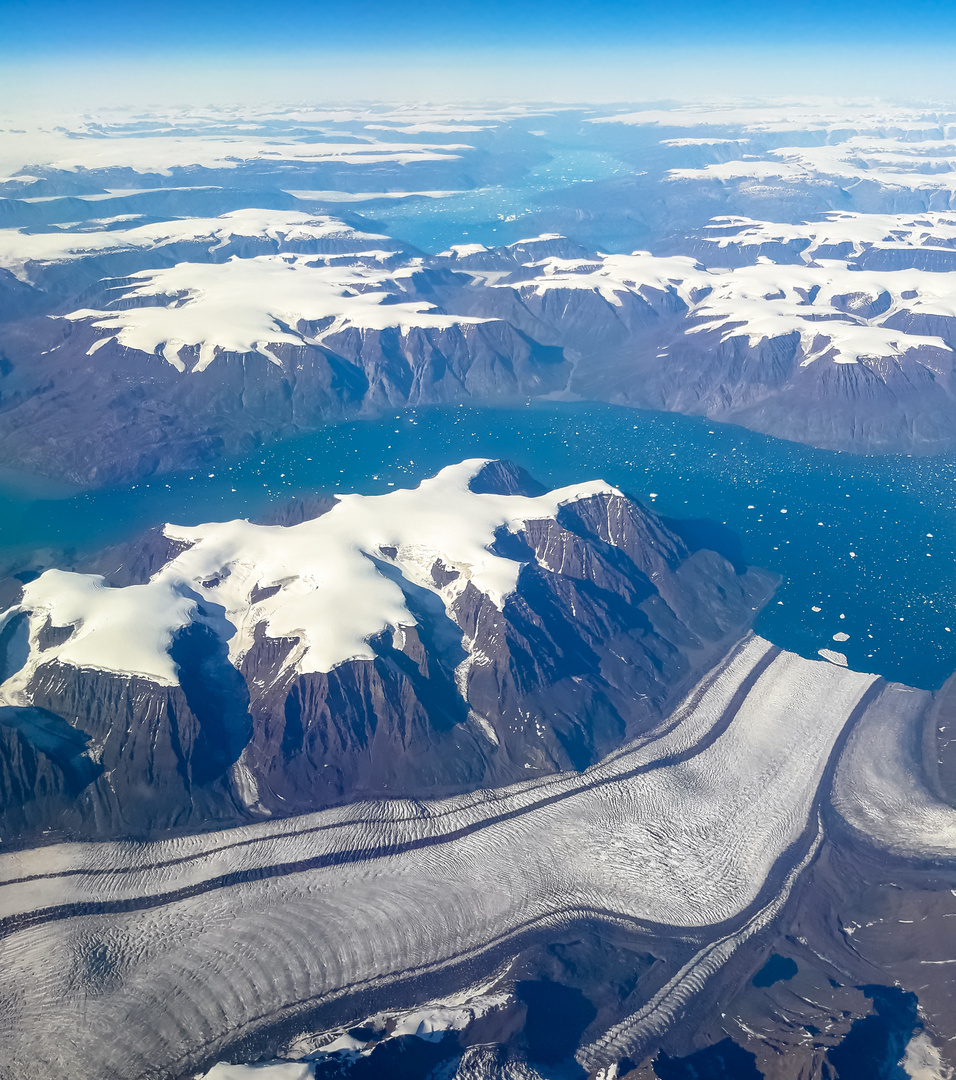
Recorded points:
62,53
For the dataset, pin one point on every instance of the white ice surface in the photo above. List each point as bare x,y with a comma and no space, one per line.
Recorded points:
127,629
822,114
368,196
236,306
612,275
332,596
879,788
884,162
858,230
687,840
20,251
432,1021
768,300
923,1060
833,656
77,150
429,127
275,1070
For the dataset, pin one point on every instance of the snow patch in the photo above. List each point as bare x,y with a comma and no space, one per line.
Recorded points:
276,1070
612,275
248,305
23,252
923,1061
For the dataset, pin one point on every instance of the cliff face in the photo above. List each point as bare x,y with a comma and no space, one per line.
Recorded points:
779,387
611,618
801,331
241,398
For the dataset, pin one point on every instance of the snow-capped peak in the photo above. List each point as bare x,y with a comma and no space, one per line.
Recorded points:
323,582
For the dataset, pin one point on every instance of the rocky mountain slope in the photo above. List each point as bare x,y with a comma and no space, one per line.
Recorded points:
471,632
213,292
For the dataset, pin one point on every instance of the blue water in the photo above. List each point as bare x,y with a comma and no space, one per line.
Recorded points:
874,1046
777,969
493,215
871,542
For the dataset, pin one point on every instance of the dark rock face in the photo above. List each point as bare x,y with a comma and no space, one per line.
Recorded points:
612,620
159,761
876,405
65,409
557,1016
43,770
49,383
723,1061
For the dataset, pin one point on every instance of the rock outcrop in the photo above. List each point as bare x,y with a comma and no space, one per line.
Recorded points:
219,713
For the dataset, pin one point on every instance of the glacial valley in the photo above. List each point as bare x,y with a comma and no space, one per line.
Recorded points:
475,592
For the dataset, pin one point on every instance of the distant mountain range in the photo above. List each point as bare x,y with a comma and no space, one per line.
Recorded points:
227,294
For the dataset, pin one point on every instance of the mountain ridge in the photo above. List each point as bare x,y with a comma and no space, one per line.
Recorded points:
536,634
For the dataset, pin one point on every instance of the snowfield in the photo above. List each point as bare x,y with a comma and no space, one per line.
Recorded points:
161,154
855,232
22,252
837,311
238,306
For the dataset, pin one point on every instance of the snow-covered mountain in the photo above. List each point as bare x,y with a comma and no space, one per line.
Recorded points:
32,255
792,275
317,337
816,339
473,630
863,241
381,785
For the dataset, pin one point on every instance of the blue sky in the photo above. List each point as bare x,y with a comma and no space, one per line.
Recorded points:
44,26
527,45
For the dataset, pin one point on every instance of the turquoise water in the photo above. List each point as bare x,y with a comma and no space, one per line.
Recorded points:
491,215
870,539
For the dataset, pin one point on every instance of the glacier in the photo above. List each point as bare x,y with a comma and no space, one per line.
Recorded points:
695,829
279,794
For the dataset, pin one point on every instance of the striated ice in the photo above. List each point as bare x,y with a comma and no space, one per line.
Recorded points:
222,933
